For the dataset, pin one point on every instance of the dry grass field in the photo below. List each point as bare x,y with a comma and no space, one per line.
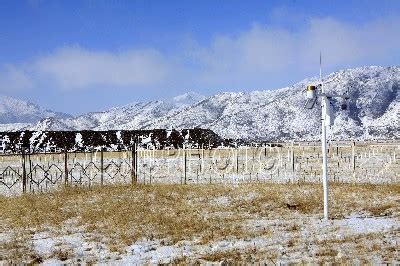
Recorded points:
248,222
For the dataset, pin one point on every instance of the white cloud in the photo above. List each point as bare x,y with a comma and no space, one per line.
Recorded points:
256,57
264,53
74,67
13,78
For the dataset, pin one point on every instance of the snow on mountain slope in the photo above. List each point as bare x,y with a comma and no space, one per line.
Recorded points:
19,111
187,99
374,111
136,116
279,114
244,115
13,127
131,116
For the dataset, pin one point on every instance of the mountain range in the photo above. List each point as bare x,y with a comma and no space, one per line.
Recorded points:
19,111
373,111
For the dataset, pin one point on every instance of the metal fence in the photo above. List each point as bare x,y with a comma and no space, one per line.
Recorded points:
361,163
43,172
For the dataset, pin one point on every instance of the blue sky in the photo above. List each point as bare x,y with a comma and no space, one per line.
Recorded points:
81,56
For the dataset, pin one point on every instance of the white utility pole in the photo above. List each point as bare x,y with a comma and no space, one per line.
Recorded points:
325,105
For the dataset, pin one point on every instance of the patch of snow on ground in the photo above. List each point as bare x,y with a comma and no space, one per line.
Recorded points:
367,224
144,251
154,253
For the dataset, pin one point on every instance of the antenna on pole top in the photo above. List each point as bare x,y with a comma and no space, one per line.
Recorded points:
320,66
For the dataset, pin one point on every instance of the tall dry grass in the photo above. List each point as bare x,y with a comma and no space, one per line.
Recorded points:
120,215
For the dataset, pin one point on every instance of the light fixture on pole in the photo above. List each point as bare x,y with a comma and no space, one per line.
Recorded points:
313,92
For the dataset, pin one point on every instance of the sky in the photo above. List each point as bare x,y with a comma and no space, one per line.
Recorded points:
82,56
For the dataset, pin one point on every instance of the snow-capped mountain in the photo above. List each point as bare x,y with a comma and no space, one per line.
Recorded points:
132,116
187,99
374,111
19,111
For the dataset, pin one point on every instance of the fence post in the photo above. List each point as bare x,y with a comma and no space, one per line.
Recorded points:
65,167
184,156
150,174
203,170
292,151
134,162
237,161
353,153
30,171
101,167
24,181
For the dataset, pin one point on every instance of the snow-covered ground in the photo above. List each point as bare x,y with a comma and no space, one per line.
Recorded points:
296,240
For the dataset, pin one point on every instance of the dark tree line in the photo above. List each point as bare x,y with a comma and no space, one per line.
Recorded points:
42,141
